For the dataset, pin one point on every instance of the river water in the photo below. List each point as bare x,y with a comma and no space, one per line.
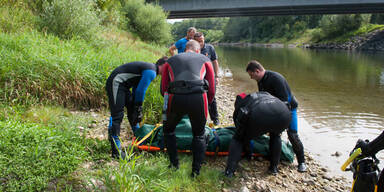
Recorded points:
340,94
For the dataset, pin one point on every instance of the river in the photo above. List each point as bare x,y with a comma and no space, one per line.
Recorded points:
340,94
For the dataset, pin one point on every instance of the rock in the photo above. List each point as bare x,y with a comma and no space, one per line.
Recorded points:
313,174
80,127
309,182
244,189
225,190
327,177
337,154
324,169
94,121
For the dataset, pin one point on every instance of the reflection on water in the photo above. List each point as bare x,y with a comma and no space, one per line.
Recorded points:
341,94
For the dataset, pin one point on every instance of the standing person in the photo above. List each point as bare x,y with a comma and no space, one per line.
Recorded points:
188,78
136,75
275,84
209,51
256,114
180,44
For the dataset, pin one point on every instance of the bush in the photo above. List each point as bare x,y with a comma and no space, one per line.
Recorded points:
70,18
336,25
147,21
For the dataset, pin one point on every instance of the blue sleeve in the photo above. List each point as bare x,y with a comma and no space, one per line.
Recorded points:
146,77
178,44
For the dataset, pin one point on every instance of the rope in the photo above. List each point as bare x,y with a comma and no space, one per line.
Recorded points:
146,136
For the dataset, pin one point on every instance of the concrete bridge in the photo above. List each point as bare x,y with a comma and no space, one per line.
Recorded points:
229,8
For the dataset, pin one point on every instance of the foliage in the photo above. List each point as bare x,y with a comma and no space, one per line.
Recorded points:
70,18
31,155
211,27
377,19
148,172
147,21
336,25
44,69
16,19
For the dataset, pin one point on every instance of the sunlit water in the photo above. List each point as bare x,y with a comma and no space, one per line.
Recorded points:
341,94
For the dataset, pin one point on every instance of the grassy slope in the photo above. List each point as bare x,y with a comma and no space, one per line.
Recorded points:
41,146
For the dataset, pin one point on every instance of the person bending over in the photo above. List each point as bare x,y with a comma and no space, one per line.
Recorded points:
136,76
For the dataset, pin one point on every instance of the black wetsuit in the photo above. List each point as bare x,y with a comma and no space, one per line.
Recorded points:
136,75
209,51
255,115
275,84
189,80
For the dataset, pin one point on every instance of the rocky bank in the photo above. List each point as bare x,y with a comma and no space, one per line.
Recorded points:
373,41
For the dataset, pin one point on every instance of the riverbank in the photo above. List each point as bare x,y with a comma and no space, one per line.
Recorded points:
371,41
253,174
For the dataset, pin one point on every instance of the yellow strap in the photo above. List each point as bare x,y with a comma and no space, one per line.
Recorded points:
353,184
149,134
355,153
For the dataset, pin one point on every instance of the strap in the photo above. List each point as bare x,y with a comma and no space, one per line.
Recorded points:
217,141
146,136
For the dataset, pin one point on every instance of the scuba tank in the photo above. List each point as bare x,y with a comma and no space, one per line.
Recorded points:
365,171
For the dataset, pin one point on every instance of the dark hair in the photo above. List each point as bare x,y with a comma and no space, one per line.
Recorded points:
198,34
161,61
253,65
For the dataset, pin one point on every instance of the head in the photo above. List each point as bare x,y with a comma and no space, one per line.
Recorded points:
191,33
160,64
192,46
199,37
255,70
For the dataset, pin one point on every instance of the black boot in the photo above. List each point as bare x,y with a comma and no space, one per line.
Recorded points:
235,150
170,144
199,146
298,148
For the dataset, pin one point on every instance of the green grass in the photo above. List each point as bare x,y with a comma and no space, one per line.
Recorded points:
37,68
33,154
150,172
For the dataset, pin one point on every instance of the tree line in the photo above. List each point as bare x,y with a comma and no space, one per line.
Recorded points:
276,28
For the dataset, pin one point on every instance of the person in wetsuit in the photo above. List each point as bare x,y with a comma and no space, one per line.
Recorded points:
188,79
209,51
136,76
256,114
275,84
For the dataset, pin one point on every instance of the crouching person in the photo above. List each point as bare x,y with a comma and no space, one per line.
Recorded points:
136,76
256,114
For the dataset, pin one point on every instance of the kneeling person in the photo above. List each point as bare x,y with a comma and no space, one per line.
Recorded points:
136,75
256,114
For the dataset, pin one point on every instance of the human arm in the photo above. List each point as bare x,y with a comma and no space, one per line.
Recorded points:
210,77
172,50
147,77
216,67
165,79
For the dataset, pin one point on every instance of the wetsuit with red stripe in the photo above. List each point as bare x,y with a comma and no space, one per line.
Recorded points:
189,80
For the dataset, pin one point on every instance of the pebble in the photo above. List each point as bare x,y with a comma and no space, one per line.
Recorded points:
337,154
225,190
244,189
327,177
80,127
313,174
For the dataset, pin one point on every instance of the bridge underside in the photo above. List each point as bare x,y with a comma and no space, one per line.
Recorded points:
268,11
